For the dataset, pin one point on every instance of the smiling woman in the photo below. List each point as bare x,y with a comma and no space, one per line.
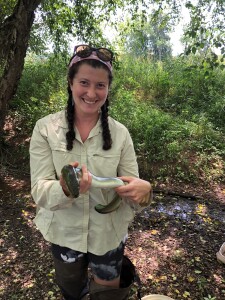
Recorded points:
86,135
89,82
89,90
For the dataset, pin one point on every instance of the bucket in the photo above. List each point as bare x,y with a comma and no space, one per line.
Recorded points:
156,297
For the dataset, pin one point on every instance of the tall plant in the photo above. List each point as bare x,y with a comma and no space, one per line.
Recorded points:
147,37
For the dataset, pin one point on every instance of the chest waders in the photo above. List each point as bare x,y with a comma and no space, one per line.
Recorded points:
72,279
127,277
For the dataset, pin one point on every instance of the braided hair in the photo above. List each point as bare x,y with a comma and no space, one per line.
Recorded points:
70,115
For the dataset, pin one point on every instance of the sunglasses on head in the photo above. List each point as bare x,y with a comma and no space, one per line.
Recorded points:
84,51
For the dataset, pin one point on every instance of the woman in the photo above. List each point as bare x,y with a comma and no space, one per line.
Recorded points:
85,135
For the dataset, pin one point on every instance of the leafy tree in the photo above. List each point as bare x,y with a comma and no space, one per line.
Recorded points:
206,30
14,36
36,23
147,37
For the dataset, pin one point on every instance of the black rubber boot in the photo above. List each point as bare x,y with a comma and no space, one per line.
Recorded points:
72,278
102,292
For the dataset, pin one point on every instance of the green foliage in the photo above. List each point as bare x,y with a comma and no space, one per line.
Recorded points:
176,87
6,8
41,90
209,297
59,20
146,37
174,119
173,112
205,32
145,75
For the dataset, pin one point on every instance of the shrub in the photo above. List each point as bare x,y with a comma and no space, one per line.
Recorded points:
173,112
42,90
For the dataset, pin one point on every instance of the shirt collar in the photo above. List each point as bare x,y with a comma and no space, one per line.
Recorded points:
60,120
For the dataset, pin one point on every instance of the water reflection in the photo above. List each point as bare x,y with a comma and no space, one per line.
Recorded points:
185,209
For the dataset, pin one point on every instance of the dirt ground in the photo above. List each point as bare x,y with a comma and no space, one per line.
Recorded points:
173,243
175,253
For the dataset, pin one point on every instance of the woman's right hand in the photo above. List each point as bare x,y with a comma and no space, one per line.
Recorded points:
85,181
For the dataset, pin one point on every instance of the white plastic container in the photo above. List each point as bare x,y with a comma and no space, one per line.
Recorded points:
156,297
221,254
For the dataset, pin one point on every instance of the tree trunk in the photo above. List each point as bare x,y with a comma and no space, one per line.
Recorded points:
14,37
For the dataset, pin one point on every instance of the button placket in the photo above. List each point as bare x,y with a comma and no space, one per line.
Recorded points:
83,156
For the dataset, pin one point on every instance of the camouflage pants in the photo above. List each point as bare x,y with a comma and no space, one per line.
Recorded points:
105,267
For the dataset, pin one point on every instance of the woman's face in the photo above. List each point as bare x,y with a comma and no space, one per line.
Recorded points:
89,88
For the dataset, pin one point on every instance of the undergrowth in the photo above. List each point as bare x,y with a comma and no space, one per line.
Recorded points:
174,113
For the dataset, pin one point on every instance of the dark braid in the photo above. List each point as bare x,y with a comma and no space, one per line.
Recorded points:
107,140
70,115
70,135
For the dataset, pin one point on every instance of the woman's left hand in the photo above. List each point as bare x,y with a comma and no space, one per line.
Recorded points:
135,189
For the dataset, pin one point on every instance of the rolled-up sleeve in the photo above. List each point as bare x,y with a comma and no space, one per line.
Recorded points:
45,187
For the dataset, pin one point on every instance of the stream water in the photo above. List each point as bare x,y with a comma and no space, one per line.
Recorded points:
186,208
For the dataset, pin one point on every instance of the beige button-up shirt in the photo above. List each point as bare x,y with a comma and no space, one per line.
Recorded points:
74,223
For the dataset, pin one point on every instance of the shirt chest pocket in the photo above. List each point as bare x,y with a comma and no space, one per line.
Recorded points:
60,156
105,165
